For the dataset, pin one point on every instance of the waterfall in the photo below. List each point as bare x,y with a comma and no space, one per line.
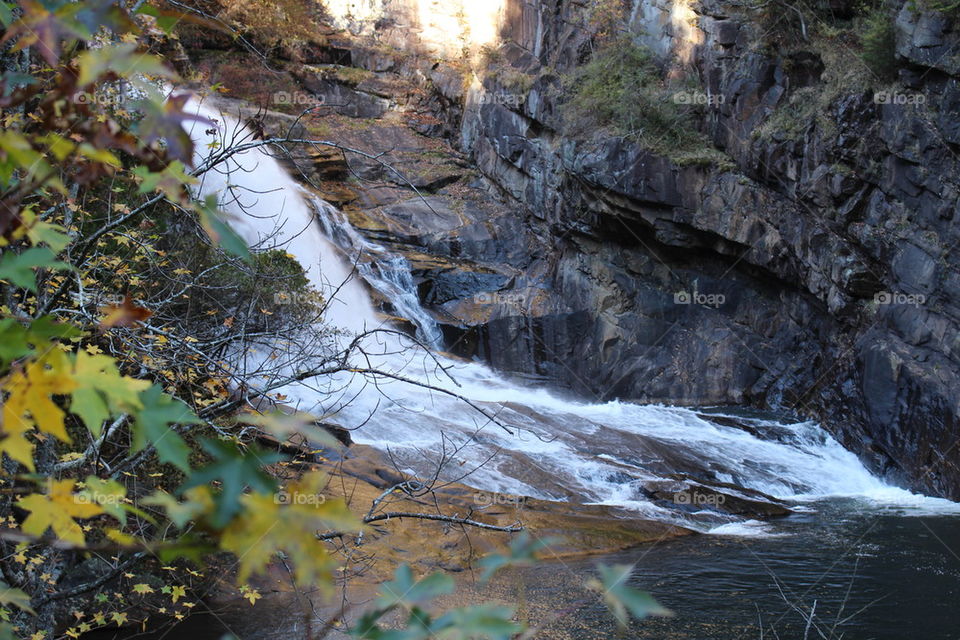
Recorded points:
615,453
388,274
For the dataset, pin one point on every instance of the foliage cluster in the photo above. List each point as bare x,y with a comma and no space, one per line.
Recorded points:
879,43
620,88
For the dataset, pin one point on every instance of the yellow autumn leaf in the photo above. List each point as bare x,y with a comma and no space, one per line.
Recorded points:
142,588
15,430
265,527
120,537
30,403
56,510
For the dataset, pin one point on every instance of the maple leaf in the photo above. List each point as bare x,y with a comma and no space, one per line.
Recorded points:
284,425
16,597
53,235
103,389
18,268
108,494
160,410
57,510
266,527
167,122
177,592
199,500
219,231
41,27
142,588
235,470
124,315
30,392
172,181
14,436
122,60
252,595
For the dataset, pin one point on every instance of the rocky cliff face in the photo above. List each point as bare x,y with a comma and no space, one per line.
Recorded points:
813,270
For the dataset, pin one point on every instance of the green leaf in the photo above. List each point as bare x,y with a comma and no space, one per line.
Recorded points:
59,146
522,553
220,232
16,597
166,20
21,155
6,14
160,410
403,590
102,156
18,341
13,341
104,391
89,404
180,512
109,494
621,598
46,328
121,59
171,181
483,621
18,268
235,470
54,235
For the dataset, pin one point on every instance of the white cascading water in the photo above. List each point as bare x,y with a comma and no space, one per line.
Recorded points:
388,274
612,453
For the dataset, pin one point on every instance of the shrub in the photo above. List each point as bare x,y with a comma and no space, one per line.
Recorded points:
620,89
879,44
